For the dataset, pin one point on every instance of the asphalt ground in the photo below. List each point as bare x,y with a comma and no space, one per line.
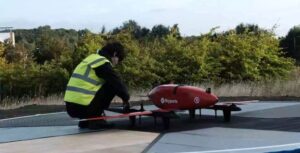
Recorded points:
260,127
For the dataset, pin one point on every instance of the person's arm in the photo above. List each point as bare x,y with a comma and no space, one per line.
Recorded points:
107,73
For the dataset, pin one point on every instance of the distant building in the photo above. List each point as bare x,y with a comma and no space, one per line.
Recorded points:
7,34
4,36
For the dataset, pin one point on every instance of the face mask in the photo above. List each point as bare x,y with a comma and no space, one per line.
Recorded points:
115,60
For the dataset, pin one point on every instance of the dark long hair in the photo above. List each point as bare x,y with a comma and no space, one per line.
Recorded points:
110,48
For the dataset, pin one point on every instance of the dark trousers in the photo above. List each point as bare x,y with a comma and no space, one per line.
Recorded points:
100,102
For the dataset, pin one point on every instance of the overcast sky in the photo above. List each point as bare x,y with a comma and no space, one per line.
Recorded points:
193,16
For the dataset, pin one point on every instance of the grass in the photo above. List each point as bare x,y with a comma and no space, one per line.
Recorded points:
256,89
268,88
276,88
241,89
13,103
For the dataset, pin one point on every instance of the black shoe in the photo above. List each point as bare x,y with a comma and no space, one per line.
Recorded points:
99,124
83,124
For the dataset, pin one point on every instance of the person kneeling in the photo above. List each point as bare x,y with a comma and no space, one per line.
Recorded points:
94,84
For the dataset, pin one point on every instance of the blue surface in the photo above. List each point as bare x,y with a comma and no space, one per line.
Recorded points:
259,127
27,133
226,140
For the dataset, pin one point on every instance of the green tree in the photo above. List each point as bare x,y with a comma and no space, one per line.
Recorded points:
88,43
175,31
159,31
250,56
44,58
249,28
138,63
291,43
132,27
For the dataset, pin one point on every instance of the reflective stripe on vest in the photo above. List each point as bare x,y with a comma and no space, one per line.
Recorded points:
84,83
81,90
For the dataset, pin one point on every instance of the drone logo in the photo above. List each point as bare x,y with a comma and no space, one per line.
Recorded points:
162,100
196,100
168,101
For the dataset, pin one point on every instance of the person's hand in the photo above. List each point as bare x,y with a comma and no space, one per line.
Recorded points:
126,106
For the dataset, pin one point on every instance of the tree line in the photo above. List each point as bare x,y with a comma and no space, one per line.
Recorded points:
43,59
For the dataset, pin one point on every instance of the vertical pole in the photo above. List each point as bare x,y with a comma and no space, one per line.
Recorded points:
12,38
200,114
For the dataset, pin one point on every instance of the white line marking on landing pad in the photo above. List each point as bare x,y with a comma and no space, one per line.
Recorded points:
30,116
247,149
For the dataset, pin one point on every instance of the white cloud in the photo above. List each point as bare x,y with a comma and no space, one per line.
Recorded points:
193,16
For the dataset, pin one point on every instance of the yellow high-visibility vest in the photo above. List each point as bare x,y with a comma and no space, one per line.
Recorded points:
84,83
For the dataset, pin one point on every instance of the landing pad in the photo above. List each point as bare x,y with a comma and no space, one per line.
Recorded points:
259,127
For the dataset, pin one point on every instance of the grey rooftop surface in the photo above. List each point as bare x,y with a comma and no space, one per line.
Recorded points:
259,127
